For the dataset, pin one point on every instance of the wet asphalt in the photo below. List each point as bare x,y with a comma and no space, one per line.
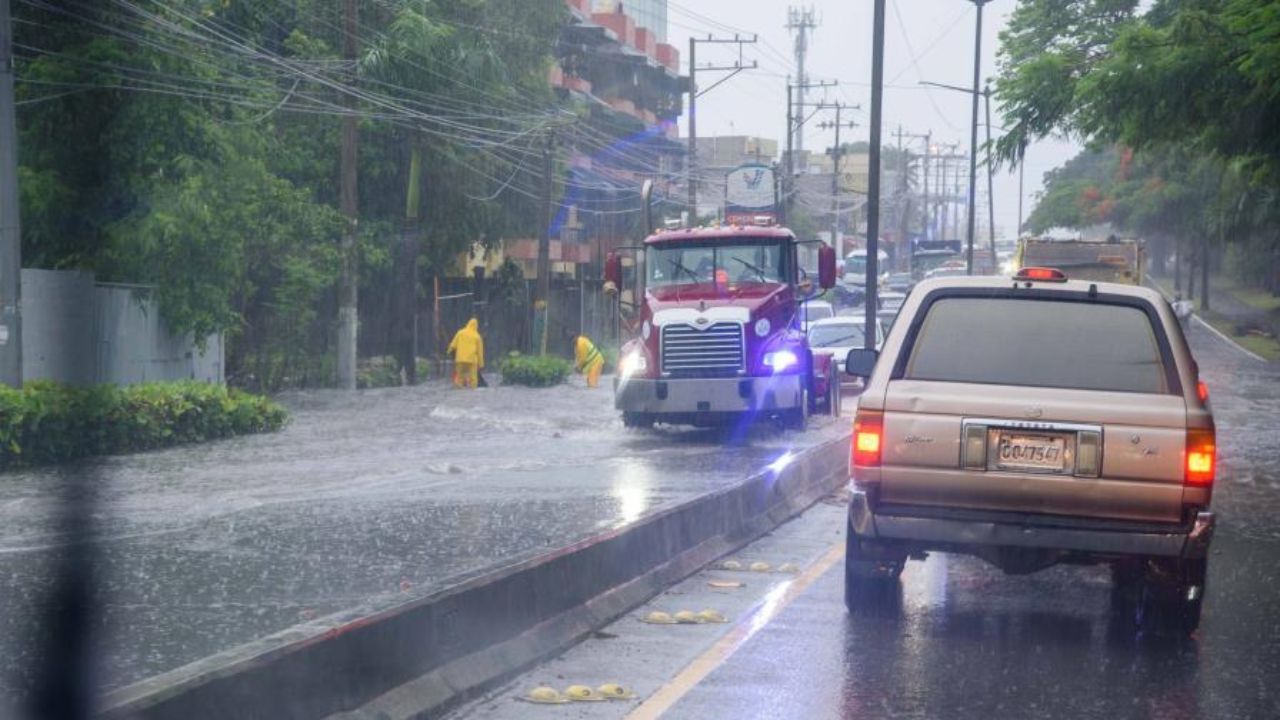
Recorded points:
363,498
959,639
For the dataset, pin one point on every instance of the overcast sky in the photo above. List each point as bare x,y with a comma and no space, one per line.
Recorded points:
924,40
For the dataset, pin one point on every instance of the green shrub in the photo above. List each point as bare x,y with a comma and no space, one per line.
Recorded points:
384,371
48,422
535,370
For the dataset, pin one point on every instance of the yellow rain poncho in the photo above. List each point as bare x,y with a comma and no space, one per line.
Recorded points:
467,348
588,360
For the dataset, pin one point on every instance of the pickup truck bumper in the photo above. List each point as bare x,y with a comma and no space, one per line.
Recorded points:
707,395
924,528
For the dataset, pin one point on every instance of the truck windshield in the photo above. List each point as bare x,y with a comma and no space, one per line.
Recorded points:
741,262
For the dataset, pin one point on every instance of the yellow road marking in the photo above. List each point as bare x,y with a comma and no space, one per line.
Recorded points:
715,656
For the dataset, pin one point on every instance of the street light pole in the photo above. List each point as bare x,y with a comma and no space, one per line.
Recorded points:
973,132
873,175
991,198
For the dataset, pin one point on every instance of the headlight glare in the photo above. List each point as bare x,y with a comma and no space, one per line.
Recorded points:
632,363
780,360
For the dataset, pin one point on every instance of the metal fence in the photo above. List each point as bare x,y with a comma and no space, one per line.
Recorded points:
575,307
79,331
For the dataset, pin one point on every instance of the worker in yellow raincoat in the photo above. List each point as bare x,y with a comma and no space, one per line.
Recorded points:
588,360
467,348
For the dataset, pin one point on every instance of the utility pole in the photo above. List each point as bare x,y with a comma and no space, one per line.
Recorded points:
406,288
973,131
10,228
796,108
837,240
924,205
544,248
691,165
348,315
734,69
801,21
873,175
789,165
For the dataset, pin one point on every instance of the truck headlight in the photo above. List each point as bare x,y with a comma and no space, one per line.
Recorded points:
762,327
645,329
632,363
780,360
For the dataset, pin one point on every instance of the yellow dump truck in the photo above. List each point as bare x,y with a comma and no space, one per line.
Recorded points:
1111,260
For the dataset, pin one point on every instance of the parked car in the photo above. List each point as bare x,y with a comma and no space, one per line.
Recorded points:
1031,423
836,337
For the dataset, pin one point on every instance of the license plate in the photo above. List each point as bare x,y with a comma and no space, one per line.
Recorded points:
1037,453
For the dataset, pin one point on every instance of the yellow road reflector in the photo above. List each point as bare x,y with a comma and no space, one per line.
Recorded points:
731,565
788,568
760,567
582,693
712,616
727,584
614,691
657,617
686,616
546,696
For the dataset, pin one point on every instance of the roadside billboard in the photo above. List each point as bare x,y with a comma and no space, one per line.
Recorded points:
750,191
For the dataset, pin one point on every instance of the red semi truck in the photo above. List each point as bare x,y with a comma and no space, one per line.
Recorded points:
718,330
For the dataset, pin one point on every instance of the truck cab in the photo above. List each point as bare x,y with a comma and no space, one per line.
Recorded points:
719,336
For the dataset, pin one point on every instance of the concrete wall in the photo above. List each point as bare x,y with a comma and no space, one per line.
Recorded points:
78,331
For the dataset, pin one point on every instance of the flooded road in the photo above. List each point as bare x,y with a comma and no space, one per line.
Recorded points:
363,497
960,639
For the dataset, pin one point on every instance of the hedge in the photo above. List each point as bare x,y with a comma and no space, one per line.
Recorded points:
384,371
534,370
48,422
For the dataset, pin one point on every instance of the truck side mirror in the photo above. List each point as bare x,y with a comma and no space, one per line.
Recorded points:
613,269
826,267
860,362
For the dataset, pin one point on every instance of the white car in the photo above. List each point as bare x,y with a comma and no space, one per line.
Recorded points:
837,336
813,311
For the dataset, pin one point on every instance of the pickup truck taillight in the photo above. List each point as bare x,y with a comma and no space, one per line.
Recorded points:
868,436
1200,458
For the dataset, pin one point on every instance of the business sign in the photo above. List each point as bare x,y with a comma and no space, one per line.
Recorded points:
750,189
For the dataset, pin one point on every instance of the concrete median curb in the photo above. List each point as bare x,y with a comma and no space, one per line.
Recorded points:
416,657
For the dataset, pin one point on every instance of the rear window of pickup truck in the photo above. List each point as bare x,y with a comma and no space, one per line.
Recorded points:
1039,343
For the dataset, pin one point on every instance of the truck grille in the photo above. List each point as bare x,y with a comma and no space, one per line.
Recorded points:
690,351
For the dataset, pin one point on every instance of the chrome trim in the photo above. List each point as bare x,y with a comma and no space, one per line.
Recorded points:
703,348
1201,535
